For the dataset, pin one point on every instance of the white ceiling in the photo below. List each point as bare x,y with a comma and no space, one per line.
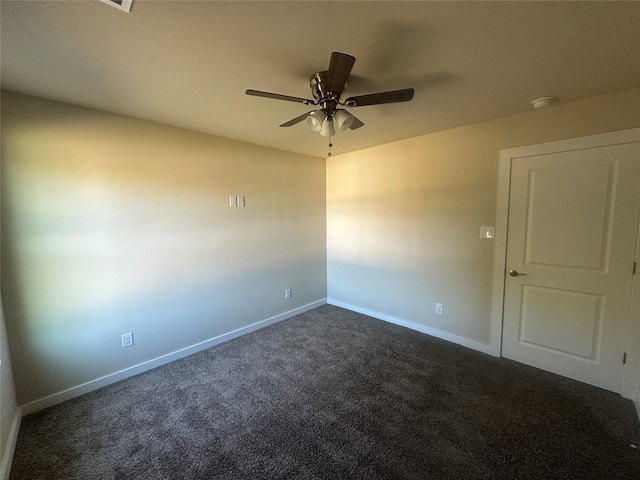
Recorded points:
188,64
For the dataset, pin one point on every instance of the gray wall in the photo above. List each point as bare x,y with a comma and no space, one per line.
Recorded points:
111,225
114,225
9,411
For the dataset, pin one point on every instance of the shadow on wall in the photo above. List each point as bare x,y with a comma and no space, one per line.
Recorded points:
162,322
403,233
113,225
410,294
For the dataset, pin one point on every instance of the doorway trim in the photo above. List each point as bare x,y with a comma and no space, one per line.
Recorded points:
632,368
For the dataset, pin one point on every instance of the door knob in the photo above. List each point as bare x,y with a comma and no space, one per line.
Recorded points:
514,273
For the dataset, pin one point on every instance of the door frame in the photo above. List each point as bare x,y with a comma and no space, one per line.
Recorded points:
631,370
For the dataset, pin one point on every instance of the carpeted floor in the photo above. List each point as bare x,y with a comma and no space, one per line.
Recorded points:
332,394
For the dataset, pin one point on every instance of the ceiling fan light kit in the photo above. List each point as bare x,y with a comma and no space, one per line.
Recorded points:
327,130
315,119
344,119
326,87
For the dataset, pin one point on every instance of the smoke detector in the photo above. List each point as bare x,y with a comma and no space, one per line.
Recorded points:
542,102
124,5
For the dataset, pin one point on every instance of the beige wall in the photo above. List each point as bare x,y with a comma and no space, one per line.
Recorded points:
111,225
114,225
9,410
403,219
631,383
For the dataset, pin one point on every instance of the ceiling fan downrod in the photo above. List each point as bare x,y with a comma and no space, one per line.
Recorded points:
327,100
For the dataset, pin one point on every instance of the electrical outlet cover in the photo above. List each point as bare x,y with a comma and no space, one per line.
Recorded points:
127,339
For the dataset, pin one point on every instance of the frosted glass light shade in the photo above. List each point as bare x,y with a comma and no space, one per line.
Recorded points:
344,119
328,129
315,119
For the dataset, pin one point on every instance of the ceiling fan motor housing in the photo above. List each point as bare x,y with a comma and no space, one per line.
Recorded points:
327,100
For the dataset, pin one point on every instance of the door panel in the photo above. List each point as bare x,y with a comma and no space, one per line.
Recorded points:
558,216
576,335
571,237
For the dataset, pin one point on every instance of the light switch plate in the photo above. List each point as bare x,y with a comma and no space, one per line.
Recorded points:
487,232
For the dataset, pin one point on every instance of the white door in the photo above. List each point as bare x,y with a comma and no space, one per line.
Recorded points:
573,222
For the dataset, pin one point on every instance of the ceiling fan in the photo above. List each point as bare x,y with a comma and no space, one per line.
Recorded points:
327,86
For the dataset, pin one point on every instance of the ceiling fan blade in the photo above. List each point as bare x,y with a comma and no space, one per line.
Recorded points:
394,96
357,123
277,96
299,119
339,69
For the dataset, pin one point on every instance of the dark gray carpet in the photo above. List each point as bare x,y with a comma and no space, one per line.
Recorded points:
331,394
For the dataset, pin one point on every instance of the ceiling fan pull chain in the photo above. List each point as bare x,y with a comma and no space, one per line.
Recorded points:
330,145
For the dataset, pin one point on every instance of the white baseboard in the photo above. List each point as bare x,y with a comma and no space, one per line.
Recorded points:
92,385
465,342
10,447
